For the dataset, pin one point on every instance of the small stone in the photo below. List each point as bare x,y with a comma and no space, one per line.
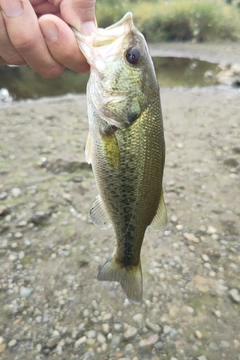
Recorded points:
191,238
235,296
205,257
117,327
18,235
3,345
25,292
16,192
198,334
130,333
167,329
38,348
3,210
128,349
211,230
115,341
39,217
138,318
12,343
158,345
3,195
101,338
91,334
202,357
12,257
150,341
106,328
53,341
81,341
173,358
22,223
153,327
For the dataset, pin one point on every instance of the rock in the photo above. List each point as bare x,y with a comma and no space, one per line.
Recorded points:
224,344
234,295
191,237
91,334
202,357
3,195
3,345
130,333
205,257
12,343
115,341
3,210
138,318
153,327
150,341
158,345
39,217
101,338
81,341
16,192
198,334
53,341
25,292
167,329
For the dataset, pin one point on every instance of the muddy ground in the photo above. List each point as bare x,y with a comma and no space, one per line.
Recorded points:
52,306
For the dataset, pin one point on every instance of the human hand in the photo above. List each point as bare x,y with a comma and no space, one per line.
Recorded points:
36,32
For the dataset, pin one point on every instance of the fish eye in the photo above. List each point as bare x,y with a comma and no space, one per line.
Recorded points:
133,56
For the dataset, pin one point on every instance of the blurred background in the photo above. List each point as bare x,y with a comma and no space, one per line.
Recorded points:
188,21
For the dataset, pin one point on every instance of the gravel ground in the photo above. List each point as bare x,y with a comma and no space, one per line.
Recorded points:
52,306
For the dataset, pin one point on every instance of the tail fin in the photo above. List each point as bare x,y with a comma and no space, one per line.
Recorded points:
129,277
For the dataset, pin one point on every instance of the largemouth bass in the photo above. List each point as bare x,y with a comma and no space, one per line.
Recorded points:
125,145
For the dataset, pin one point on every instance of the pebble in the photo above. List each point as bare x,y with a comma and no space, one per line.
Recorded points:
191,237
153,327
3,210
158,345
16,192
151,340
91,334
202,357
53,341
81,341
198,334
25,292
12,343
39,217
205,257
101,338
138,318
3,195
235,296
3,345
130,333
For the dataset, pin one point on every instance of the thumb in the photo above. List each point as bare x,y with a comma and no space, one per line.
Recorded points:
80,14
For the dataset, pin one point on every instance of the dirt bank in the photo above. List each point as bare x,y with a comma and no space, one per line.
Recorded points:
52,306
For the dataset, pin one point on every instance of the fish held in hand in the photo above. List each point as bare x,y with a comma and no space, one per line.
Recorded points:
125,145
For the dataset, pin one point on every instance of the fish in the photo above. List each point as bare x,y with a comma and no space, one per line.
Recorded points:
125,146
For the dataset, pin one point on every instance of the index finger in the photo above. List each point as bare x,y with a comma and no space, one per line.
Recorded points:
25,35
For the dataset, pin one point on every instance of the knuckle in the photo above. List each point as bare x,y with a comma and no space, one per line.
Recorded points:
25,44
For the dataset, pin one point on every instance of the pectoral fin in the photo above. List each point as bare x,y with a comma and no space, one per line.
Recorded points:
98,215
160,219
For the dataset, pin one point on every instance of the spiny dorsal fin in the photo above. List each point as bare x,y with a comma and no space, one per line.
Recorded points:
160,219
98,215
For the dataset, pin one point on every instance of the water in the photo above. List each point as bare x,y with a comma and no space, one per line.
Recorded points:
23,83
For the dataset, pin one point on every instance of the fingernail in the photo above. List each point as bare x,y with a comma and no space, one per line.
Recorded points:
49,30
12,8
87,28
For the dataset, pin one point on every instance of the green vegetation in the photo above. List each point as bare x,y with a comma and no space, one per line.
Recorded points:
176,20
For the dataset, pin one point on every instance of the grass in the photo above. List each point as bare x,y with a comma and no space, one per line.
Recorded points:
176,20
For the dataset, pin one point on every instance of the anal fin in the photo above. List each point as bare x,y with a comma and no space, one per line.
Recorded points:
98,215
160,219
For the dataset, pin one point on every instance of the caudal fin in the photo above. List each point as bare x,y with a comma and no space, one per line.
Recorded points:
129,277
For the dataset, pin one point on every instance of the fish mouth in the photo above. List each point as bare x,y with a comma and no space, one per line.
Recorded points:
105,43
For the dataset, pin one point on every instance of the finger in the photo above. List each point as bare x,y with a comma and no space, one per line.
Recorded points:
7,52
25,35
78,13
64,49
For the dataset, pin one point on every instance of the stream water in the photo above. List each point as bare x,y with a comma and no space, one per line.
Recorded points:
23,83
